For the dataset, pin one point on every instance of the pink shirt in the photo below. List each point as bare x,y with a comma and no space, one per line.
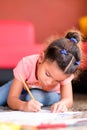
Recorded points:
27,66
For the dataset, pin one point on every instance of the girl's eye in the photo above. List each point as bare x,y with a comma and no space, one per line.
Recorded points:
47,74
57,81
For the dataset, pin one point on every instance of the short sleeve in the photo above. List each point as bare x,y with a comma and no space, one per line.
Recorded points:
21,69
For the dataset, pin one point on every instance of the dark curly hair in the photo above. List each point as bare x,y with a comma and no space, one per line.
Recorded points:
66,52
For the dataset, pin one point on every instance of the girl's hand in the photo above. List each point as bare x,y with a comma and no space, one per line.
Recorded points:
32,106
59,107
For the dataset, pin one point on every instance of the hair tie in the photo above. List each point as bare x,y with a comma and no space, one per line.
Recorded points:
73,40
63,52
77,62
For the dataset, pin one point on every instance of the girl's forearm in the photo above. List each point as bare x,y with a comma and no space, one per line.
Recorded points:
16,104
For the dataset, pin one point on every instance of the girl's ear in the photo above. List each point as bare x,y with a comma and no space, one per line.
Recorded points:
41,57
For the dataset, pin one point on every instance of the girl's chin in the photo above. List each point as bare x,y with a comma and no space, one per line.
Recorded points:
46,88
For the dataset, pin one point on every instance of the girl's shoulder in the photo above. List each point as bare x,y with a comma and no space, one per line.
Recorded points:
26,66
30,61
31,57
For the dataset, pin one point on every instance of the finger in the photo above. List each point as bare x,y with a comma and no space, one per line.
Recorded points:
54,108
37,105
62,108
40,104
58,109
34,105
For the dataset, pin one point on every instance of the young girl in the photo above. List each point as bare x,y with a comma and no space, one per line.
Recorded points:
48,76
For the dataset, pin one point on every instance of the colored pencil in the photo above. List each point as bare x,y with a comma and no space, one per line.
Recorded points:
27,88
46,126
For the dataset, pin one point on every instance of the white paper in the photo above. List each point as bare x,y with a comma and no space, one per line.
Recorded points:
35,118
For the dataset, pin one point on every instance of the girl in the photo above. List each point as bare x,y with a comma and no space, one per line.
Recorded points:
48,76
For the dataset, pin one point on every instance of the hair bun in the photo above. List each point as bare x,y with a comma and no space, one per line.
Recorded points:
74,36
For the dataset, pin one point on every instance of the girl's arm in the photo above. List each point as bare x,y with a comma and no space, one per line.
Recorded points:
67,95
14,101
66,99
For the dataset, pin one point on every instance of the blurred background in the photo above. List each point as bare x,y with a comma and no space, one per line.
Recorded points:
48,16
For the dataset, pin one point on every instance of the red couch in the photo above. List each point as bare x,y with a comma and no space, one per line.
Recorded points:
17,39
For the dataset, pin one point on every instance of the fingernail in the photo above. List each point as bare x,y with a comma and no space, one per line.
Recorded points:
41,104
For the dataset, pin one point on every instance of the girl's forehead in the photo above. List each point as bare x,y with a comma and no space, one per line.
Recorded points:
49,64
55,71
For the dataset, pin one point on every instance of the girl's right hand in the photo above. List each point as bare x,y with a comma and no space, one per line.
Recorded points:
32,106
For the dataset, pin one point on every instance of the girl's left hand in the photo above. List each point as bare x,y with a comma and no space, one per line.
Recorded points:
59,107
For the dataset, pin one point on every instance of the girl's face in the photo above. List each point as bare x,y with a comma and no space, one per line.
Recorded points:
49,74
